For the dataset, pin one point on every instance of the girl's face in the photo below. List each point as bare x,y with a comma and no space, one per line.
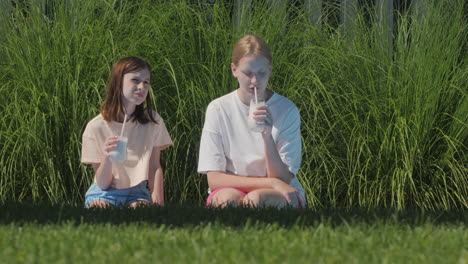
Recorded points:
252,72
135,88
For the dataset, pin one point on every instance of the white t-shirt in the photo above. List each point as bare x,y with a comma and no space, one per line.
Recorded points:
142,138
228,145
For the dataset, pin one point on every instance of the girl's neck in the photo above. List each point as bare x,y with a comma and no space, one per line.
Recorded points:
129,110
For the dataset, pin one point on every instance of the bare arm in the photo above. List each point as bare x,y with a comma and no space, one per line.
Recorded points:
103,171
275,167
217,179
155,177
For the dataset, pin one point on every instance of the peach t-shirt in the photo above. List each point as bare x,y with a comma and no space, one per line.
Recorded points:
142,138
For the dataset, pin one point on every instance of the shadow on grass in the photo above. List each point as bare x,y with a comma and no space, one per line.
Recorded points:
190,215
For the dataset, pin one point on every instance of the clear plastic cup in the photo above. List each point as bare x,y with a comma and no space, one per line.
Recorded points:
119,154
252,123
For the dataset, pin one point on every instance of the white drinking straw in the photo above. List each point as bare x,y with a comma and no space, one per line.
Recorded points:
123,126
256,98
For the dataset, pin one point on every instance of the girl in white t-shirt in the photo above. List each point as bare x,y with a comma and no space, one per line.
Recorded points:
138,178
245,167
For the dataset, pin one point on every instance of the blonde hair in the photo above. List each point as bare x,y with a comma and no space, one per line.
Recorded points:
250,45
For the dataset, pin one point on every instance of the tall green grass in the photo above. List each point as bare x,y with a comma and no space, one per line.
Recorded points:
379,128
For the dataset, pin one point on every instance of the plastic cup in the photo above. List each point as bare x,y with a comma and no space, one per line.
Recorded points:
119,154
252,123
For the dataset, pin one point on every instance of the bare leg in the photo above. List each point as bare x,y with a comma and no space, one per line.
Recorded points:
99,204
138,204
227,197
265,198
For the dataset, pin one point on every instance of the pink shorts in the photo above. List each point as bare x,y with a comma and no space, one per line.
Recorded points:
208,200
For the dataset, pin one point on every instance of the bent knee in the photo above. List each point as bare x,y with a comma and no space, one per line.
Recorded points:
138,204
99,204
252,199
227,197
265,198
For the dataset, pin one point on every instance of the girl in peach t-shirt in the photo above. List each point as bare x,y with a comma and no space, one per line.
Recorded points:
138,179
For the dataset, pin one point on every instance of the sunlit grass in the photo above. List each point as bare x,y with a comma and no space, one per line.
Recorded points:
378,129
135,243
191,234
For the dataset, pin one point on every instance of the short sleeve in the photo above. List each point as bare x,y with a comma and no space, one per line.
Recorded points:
289,141
162,138
211,156
90,150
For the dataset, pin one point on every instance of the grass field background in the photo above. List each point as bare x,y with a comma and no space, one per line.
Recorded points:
381,127
191,234
384,132
136,243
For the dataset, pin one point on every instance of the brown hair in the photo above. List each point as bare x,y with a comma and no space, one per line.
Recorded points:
250,45
112,108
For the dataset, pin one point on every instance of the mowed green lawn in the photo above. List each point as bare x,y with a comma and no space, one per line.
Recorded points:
178,234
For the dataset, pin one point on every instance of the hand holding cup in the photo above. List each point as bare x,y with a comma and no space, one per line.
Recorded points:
110,144
115,148
263,117
259,117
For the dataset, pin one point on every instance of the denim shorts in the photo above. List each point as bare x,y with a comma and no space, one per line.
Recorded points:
118,197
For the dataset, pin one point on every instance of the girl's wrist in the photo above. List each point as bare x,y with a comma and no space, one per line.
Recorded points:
274,182
107,160
267,137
